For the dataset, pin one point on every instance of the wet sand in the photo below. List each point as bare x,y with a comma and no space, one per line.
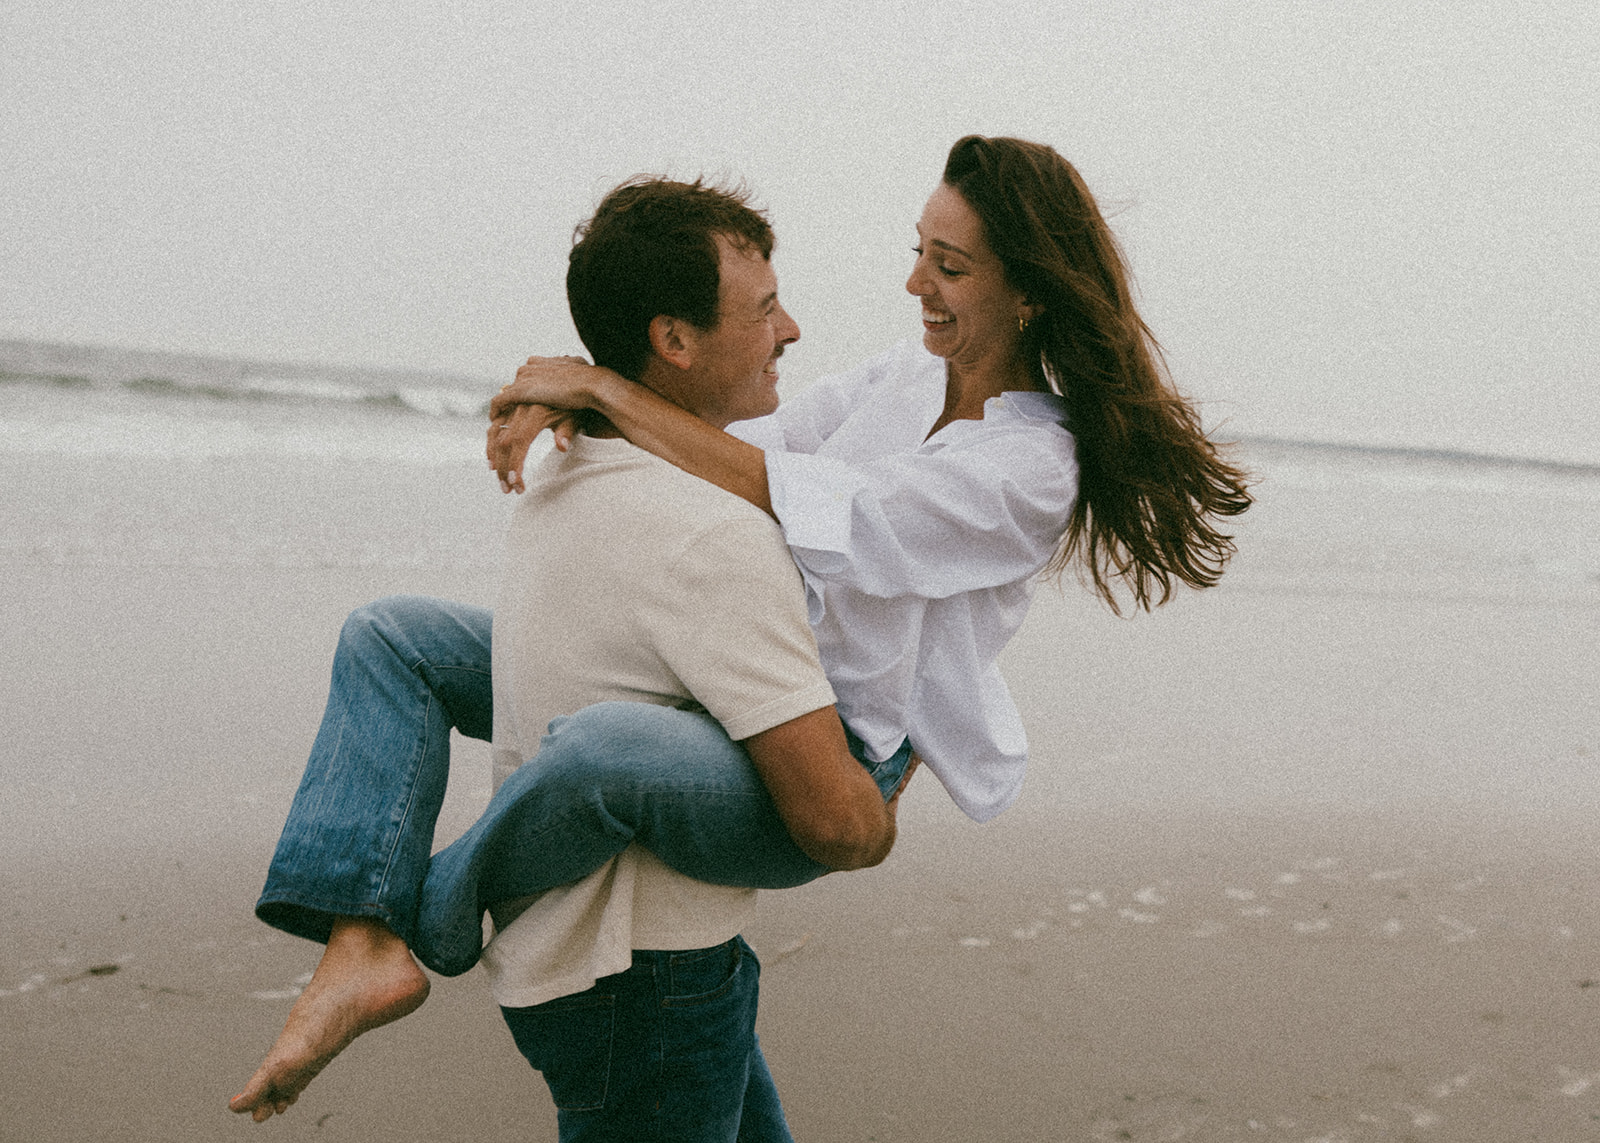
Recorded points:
1149,978
1307,858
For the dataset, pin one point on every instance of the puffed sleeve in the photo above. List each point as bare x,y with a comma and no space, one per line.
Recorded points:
985,509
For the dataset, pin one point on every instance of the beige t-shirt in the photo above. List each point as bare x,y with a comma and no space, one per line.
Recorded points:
626,578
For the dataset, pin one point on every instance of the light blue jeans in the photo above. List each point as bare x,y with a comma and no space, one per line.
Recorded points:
357,840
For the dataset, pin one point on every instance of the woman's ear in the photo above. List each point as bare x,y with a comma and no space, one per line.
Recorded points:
673,340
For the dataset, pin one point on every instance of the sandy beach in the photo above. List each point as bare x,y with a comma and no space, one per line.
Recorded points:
1309,857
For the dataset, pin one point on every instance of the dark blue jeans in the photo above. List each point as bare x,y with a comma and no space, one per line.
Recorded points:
663,1051
357,841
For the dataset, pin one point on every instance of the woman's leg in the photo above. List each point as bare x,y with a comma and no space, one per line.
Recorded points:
354,850
612,774
356,844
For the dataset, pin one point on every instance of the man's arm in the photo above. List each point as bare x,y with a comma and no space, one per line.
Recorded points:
830,804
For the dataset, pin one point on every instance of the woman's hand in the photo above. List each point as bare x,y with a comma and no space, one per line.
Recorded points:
564,394
559,382
548,393
511,434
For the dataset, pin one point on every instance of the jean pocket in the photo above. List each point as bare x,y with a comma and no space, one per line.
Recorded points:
701,976
569,1040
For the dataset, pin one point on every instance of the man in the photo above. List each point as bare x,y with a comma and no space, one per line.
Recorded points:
628,579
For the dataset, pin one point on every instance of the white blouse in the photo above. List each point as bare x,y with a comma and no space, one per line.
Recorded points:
920,555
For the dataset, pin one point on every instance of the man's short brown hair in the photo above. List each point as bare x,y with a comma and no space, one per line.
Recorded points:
651,249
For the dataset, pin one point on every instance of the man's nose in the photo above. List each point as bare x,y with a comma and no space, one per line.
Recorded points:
788,328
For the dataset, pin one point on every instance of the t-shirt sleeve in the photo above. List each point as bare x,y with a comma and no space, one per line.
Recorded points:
730,622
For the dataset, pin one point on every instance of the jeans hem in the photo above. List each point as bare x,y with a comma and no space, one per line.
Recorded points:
314,920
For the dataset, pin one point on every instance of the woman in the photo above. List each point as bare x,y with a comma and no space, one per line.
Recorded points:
921,495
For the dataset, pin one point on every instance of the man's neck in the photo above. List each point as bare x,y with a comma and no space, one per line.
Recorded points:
659,377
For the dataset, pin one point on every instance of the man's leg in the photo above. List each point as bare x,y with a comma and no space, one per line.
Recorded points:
664,1050
349,865
762,1120
612,774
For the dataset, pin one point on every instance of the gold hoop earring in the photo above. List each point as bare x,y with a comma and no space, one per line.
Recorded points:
1022,324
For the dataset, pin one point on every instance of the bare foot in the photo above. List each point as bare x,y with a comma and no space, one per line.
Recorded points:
366,979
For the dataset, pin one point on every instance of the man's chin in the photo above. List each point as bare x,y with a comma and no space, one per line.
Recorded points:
768,402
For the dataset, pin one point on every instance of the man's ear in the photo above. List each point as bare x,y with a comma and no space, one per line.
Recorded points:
673,340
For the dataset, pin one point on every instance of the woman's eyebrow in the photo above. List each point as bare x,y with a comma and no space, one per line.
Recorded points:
943,245
950,246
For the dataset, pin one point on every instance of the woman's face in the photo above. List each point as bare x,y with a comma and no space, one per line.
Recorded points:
969,310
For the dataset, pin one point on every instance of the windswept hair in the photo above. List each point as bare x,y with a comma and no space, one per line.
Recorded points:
651,249
1151,485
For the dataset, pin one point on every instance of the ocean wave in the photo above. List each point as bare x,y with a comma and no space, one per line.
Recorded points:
192,377
1416,455
172,377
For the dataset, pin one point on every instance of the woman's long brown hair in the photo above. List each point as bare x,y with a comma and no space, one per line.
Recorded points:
1151,485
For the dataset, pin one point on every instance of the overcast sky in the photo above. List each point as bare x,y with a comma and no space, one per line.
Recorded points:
1360,220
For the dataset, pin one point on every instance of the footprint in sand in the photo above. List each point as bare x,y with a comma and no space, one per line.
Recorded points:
1421,1116
1388,874
1156,1117
30,985
1576,1083
1456,931
1446,1088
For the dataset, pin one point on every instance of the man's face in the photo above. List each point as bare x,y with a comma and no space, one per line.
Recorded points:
734,375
